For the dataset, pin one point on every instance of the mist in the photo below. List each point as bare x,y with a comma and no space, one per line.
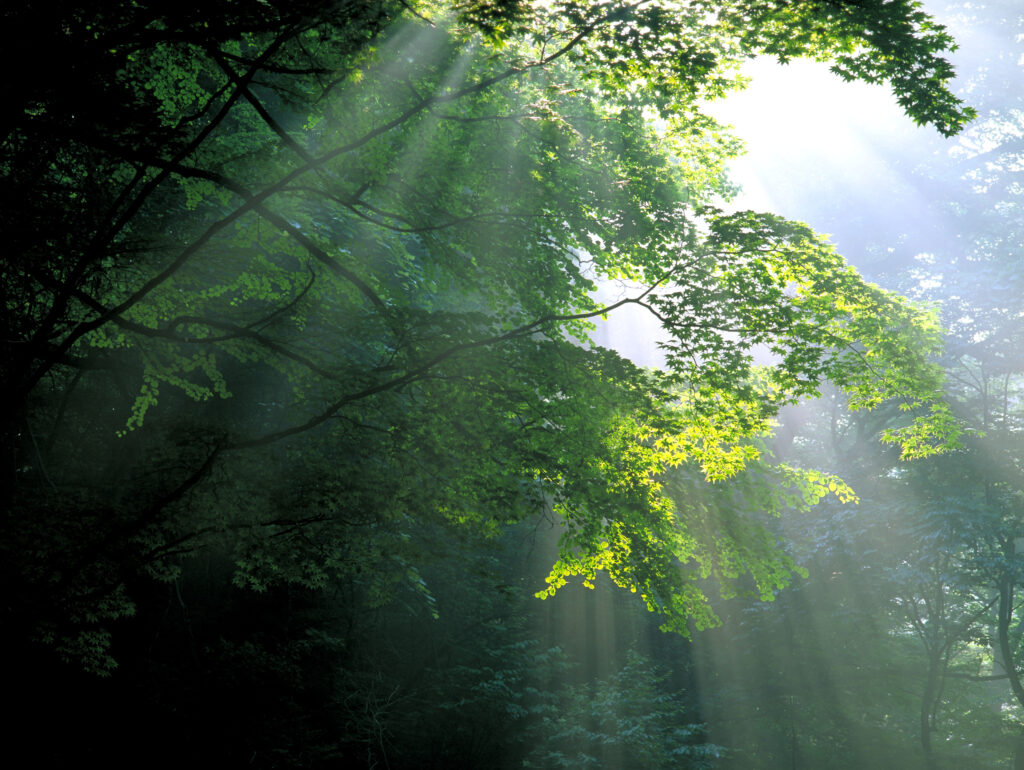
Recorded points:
514,384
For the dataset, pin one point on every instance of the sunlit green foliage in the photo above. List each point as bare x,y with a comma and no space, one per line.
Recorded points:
326,275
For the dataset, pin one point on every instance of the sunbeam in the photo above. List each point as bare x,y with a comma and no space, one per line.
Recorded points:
404,384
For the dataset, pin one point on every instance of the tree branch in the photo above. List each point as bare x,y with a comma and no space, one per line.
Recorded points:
417,372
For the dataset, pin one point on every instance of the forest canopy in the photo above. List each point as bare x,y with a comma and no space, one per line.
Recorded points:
309,287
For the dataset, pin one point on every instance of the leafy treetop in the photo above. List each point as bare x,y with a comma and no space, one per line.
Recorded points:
312,274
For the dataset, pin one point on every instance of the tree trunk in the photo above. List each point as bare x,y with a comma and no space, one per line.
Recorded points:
1009,664
927,704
